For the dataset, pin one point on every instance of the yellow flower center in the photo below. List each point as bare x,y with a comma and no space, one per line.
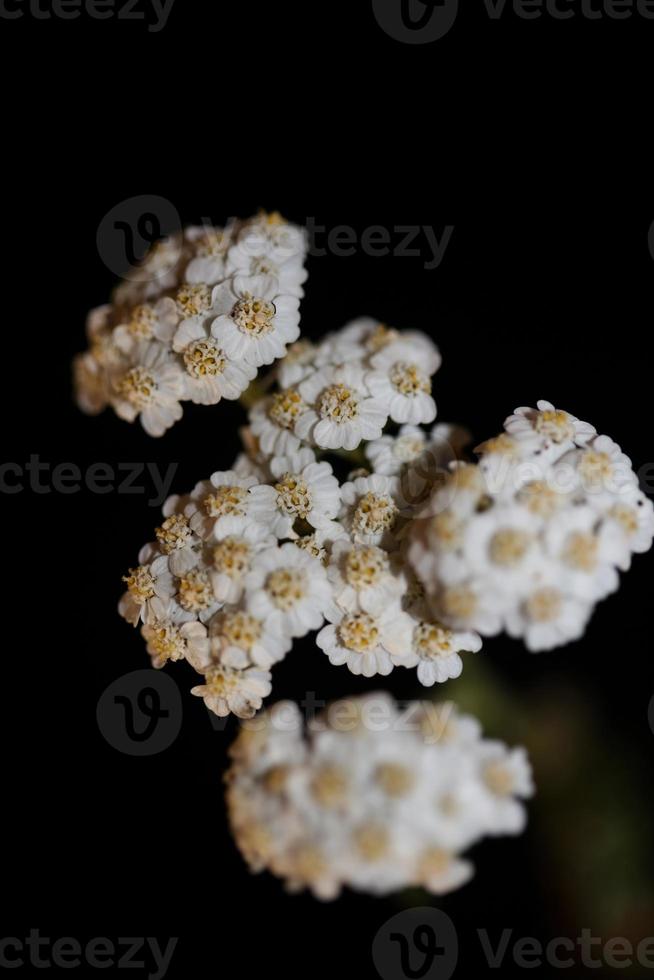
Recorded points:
381,337
204,358
508,547
285,408
431,640
293,496
329,786
459,602
193,299
544,605
554,425
226,501
539,498
174,533
240,630
365,566
408,448
166,642
581,551
626,517
142,322
394,780
372,842
138,387
254,316
140,583
359,632
499,779
447,529
195,593
286,587
409,379
232,557
374,513
338,403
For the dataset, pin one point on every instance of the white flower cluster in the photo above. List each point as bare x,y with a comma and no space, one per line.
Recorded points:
194,321
277,547
374,797
531,537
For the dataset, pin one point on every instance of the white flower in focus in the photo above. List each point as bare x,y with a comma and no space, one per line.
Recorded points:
167,640
149,587
232,558
220,505
151,387
288,588
370,508
254,321
229,690
304,490
401,380
547,429
210,374
367,642
342,412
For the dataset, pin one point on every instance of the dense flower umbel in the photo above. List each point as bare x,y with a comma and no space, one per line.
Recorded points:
531,537
278,546
371,797
194,321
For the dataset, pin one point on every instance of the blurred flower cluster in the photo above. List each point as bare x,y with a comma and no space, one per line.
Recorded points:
532,536
276,547
194,321
371,796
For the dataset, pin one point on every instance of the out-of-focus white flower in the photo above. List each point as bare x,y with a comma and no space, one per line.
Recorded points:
531,537
365,799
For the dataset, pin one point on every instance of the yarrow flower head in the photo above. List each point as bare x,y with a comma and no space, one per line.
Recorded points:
531,537
371,796
194,321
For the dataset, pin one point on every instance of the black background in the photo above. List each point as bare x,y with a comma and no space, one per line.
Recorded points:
530,138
